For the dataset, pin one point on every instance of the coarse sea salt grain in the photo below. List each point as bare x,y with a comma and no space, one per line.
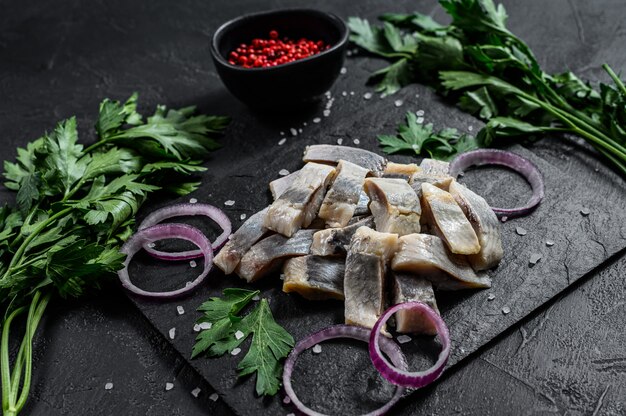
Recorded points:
367,95
299,130
419,120
193,201
256,297
504,218
108,386
491,297
201,326
470,128
229,203
398,103
343,70
286,400
549,243
169,386
403,339
192,263
293,131
180,310
242,217
506,310
419,113
317,348
239,335
339,141
520,231
283,172
585,212
317,120
172,333
196,392
344,93
534,259
282,141
282,133
356,141
214,397
236,351
326,113
151,245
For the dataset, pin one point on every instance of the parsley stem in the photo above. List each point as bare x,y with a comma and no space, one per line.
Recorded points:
5,369
96,145
618,82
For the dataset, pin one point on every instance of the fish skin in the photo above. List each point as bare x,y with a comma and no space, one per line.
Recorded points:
297,206
240,242
485,224
328,153
267,255
335,241
315,277
280,185
364,289
427,256
394,204
342,198
410,288
434,167
449,220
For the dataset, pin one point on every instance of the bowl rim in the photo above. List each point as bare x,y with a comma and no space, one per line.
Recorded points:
339,22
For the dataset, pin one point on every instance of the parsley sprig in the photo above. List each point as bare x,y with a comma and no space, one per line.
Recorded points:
494,75
270,342
75,205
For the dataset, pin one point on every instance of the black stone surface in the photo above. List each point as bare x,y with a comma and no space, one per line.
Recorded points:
567,357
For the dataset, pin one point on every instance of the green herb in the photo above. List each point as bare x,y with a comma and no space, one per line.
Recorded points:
494,75
270,342
75,206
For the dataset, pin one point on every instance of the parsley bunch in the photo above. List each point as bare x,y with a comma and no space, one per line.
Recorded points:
75,206
494,75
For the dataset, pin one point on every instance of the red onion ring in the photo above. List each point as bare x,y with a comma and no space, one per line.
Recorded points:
180,210
400,376
159,232
523,166
340,331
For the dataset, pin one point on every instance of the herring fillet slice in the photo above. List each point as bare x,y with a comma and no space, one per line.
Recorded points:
362,207
328,153
427,256
335,241
280,185
343,196
410,288
265,256
315,277
394,204
296,207
449,220
486,226
435,167
240,242
364,281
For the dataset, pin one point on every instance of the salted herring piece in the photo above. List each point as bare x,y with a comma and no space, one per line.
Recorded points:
343,196
427,256
266,255
298,205
315,277
485,224
406,170
411,288
335,241
280,185
327,153
363,206
240,242
446,217
394,205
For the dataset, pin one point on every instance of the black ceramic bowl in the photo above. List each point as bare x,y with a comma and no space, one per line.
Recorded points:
289,84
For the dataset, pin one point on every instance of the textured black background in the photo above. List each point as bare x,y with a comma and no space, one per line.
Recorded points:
57,60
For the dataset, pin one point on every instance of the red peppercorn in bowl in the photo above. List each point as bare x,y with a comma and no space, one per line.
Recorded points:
280,58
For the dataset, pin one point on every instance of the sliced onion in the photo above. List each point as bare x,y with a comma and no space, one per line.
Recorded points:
524,167
400,376
181,210
160,232
341,331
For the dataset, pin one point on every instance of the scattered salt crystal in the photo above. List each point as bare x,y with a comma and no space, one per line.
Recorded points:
293,131
299,130
282,133
283,172
326,113
193,263
343,70
202,325
339,141
504,218
317,120
367,95
351,92
282,276
169,386
256,297
585,212
417,96
291,414
462,350
229,203
491,297
344,93
349,53
286,400
214,397
419,113
188,284
506,310
470,128
356,141
282,141
327,93
419,120
196,328
403,339
193,201
239,335
382,96
305,124
520,230
172,333
196,392
317,348
180,310
242,217
414,146
534,259
597,170
549,243
151,245
398,103
235,351
108,386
